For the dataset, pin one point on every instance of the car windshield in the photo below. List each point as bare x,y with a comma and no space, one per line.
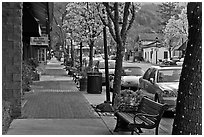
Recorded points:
132,71
111,65
170,75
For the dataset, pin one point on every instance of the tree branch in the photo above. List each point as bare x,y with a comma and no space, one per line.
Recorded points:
133,17
102,19
59,11
125,19
55,20
116,22
108,11
110,26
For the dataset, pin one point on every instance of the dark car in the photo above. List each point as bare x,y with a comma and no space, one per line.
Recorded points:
160,83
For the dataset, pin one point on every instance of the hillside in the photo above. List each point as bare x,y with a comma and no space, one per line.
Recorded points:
147,18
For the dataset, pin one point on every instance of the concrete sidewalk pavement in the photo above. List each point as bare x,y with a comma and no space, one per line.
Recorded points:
56,107
58,127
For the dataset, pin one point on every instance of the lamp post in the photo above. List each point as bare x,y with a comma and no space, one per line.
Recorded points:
106,62
156,49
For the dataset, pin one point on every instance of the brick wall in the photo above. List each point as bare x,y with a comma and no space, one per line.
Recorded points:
12,54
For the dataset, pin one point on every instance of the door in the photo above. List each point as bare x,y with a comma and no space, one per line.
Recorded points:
42,55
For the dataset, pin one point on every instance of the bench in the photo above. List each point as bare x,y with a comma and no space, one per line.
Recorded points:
147,115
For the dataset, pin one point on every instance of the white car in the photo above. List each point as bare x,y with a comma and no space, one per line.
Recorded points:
160,83
130,77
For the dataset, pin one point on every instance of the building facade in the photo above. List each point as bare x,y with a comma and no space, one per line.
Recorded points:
154,54
19,23
12,55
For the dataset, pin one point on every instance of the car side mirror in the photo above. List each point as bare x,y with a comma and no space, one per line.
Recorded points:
152,80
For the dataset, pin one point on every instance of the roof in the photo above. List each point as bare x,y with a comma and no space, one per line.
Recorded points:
183,46
131,67
153,44
150,36
166,67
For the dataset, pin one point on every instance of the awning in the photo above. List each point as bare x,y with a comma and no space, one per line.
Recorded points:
31,27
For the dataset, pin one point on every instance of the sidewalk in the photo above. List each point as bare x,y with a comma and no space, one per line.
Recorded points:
56,107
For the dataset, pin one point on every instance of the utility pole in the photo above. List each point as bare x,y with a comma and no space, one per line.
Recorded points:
81,56
156,49
106,66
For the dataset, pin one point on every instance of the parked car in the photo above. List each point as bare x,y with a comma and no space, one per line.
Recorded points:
112,57
175,59
130,77
160,83
180,62
111,69
172,61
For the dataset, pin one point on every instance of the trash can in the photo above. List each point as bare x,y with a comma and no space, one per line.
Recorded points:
83,84
94,83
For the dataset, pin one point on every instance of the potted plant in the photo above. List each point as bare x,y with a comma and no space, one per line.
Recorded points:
127,100
83,79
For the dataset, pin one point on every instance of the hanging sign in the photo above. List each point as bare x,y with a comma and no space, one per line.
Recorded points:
43,40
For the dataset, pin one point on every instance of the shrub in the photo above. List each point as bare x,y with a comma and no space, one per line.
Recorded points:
33,62
6,116
27,74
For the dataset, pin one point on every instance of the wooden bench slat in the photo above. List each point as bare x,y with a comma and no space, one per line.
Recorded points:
149,108
148,121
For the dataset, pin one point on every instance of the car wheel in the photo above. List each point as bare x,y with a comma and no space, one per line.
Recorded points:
156,98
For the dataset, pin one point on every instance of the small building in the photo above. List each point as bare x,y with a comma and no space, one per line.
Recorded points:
155,52
152,48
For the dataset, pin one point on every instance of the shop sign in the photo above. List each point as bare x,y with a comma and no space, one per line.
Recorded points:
43,40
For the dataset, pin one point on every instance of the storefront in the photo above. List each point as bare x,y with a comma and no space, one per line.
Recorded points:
40,44
37,23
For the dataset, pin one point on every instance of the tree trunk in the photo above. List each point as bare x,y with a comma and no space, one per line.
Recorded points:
118,71
188,118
